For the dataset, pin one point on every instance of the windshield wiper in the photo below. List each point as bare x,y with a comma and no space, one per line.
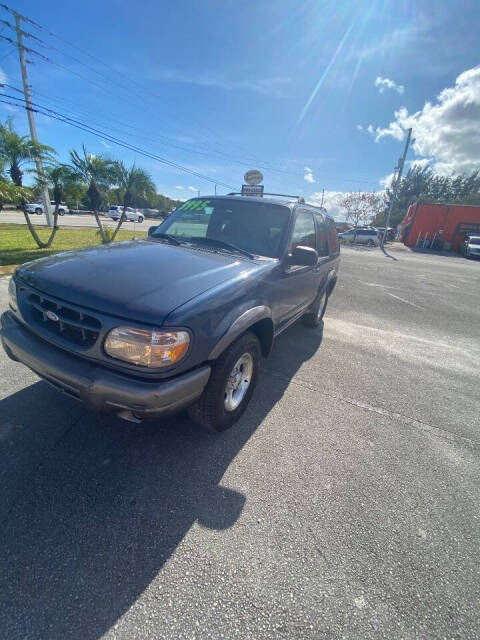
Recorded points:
166,236
222,245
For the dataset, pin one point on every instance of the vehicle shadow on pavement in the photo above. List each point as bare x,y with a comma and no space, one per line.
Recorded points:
91,521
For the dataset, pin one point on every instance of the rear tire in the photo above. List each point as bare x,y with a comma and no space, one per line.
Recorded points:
315,316
61,212
38,211
222,403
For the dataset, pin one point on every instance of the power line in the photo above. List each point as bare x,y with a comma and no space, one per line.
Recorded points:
153,95
9,53
100,134
244,162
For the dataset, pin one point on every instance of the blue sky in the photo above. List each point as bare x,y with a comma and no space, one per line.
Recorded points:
317,93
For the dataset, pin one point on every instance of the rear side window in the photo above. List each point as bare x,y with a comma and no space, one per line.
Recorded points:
332,236
322,242
303,231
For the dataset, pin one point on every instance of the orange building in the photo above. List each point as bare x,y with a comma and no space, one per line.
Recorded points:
439,226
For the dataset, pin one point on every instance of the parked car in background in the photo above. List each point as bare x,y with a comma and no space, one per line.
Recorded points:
471,246
368,237
37,207
132,215
342,226
390,233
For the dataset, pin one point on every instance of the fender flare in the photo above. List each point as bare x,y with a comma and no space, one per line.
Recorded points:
242,323
331,281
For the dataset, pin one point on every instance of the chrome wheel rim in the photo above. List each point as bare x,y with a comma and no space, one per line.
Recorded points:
321,306
238,382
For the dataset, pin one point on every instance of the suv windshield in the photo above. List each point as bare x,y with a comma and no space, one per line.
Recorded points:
254,227
474,240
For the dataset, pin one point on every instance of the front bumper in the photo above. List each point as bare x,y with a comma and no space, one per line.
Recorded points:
98,387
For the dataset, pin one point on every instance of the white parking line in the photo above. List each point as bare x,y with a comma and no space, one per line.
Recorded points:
403,300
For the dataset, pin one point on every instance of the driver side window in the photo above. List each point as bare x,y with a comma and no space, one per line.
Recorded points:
303,231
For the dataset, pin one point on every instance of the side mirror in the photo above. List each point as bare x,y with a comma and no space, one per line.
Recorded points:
152,229
304,256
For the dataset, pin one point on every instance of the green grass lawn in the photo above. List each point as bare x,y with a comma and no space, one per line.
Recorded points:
17,245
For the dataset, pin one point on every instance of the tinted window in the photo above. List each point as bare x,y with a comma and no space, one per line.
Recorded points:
322,242
258,227
303,231
332,236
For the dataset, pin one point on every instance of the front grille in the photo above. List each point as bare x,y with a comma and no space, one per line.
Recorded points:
69,324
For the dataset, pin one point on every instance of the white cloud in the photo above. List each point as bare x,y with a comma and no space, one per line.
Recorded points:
386,83
276,85
105,144
446,130
394,130
368,129
3,77
386,181
331,202
308,177
182,188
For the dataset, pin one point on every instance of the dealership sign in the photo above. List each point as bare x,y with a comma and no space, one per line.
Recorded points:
255,190
253,186
253,177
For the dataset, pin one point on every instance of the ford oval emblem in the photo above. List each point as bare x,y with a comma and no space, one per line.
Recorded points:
52,316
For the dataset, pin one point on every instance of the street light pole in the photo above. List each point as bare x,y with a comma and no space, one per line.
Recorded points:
31,120
395,185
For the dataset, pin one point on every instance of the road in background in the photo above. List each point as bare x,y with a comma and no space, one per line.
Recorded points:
344,504
17,217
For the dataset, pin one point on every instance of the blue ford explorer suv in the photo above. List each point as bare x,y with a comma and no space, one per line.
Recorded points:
199,302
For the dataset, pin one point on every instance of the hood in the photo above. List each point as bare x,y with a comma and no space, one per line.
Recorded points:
142,280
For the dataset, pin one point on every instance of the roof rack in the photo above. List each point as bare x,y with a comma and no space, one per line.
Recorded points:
281,195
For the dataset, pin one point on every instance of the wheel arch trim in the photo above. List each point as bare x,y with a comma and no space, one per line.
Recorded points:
244,321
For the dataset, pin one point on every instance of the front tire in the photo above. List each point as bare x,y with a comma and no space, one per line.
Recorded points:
38,211
231,385
61,212
140,219
315,316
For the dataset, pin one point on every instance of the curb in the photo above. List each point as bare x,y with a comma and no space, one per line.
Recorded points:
8,269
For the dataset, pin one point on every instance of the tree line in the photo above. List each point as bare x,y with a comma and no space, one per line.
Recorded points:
92,181
420,184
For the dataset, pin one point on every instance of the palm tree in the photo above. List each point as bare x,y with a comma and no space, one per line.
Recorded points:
97,173
16,151
133,182
9,192
55,178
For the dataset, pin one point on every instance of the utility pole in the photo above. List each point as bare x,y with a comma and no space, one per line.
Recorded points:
323,195
31,120
395,185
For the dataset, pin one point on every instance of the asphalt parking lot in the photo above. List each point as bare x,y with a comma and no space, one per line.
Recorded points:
344,504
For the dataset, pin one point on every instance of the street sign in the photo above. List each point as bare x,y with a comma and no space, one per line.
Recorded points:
252,190
253,177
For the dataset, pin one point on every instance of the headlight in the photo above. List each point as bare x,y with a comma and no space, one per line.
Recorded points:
153,349
12,294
